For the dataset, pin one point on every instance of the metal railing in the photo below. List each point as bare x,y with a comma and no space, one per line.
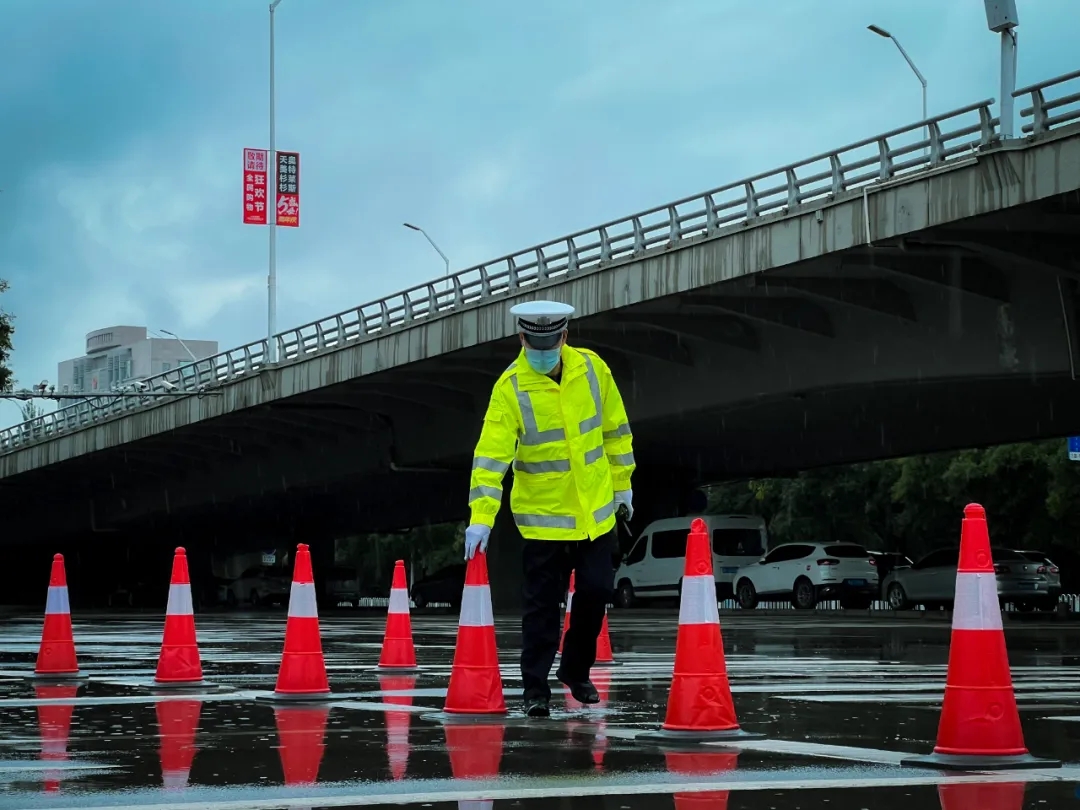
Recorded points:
1045,114
900,152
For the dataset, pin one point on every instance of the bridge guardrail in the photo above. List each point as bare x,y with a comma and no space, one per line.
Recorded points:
923,145
1042,110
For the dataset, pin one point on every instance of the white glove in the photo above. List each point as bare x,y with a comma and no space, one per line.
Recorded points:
625,498
476,537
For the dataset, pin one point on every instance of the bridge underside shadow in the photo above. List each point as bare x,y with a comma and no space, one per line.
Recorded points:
961,336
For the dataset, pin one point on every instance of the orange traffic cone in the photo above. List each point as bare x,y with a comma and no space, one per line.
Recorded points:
701,764
699,707
302,675
603,642
397,723
475,682
56,660
178,722
980,724
179,664
398,652
54,725
985,796
301,734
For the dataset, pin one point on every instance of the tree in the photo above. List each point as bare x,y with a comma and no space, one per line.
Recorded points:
914,505
6,330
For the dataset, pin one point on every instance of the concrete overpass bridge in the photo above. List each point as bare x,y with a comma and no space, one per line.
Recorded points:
914,291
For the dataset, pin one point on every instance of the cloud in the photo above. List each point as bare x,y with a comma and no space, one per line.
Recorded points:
494,126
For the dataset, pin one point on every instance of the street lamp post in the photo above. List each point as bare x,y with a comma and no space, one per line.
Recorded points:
881,32
431,242
271,213
176,337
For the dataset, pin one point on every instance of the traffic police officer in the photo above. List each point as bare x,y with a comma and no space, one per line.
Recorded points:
557,416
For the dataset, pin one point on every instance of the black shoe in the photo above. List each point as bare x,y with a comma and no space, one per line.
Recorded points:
582,691
537,707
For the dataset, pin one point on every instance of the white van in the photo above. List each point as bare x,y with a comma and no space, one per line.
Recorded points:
653,567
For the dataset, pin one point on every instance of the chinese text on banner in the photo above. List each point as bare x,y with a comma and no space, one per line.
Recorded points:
254,186
288,189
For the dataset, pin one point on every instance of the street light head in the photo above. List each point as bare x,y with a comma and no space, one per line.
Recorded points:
410,227
881,32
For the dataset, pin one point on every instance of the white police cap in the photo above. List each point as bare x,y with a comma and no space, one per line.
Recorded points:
541,318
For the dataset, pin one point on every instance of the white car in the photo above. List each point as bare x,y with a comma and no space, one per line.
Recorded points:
653,568
808,572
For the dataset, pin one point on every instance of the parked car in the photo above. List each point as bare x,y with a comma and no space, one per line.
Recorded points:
807,573
931,582
260,585
343,585
1053,573
653,568
445,586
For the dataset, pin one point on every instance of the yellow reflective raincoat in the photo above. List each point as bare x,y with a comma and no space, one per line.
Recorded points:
569,443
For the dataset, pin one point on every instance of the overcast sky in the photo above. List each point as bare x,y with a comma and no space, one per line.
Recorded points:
494,125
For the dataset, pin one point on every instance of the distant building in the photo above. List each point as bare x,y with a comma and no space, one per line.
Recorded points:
121,354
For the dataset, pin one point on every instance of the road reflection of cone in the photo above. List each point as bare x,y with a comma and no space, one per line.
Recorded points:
601,679
301,731
397,723
178,723
475,753
54,725
991,796
701,764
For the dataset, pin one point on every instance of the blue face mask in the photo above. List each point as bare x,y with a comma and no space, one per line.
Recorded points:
542,361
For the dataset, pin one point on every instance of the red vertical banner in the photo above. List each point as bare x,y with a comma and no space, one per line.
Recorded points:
255,187
288,189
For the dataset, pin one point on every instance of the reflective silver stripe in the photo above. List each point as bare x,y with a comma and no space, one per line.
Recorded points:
179,601
593,422
476,607
594,455
57,600
302,601
562,465
489,464
604,512
533,435
698,603
622,459
621,430
399,601
975,605
546,521
476,493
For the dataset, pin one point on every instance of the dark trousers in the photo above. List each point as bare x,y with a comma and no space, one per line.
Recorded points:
548,564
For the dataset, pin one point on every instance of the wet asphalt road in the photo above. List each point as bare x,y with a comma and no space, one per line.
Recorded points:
840,700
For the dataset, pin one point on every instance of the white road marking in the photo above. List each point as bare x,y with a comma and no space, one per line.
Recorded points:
326,796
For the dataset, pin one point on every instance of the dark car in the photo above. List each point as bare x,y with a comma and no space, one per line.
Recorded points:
442,587
886,561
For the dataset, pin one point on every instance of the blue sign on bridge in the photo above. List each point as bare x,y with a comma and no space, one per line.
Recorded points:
1074,448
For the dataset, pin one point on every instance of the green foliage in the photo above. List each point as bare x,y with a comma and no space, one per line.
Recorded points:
424,550
915,504
6,330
